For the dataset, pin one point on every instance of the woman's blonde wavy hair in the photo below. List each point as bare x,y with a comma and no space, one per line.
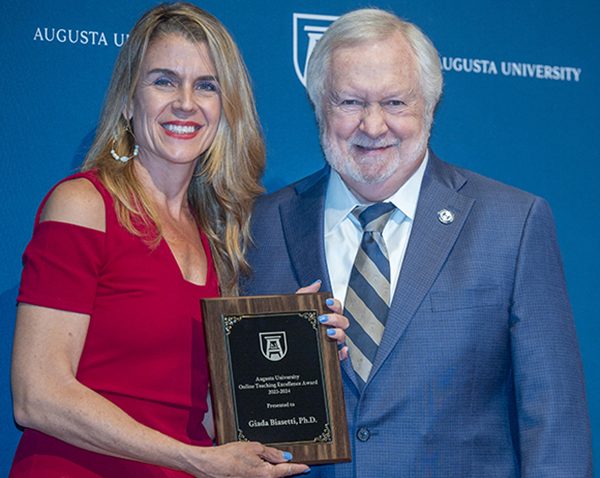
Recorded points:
227,177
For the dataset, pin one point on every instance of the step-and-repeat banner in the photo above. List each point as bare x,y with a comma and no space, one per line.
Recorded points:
520,104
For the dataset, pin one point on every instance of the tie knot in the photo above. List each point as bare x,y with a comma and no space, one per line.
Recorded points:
373,218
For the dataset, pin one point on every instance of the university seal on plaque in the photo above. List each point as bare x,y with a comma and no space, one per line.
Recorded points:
273,345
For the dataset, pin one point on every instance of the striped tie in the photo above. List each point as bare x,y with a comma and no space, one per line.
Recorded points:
368,295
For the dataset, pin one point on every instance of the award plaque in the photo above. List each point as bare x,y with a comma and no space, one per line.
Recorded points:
275,376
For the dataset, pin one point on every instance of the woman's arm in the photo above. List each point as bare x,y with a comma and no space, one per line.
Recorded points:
47,396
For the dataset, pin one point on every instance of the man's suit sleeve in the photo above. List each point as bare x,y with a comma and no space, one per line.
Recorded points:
554,430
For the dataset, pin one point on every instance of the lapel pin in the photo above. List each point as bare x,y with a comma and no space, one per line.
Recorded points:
445,216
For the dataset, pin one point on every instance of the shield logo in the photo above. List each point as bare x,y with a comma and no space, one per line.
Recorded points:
273,345
308,30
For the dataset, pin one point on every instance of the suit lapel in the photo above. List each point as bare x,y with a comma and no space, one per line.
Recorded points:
302,220
429,246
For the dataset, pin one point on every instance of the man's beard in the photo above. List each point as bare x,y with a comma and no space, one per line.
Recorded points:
348,166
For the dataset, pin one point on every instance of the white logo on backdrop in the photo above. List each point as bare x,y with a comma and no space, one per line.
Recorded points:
308,29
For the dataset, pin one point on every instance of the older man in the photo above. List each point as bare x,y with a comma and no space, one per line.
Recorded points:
463,355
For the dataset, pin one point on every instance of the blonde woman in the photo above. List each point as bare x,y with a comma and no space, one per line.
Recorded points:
109,372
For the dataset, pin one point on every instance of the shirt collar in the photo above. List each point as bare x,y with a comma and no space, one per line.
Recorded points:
339,201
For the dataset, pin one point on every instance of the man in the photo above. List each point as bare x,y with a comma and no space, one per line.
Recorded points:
475,369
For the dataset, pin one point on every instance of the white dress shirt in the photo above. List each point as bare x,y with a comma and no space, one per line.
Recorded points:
343,232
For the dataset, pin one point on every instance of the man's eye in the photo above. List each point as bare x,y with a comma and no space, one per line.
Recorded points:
351,103
393,105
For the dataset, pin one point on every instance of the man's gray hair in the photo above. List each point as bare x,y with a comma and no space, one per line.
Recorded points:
359,26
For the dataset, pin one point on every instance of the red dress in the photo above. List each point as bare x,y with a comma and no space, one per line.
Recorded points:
144,349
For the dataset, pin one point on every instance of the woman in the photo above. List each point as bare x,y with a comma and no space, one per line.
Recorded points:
109,372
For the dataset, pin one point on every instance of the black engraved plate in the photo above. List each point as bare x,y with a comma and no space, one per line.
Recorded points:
275,376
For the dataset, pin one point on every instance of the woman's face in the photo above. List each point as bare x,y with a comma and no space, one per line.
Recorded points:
177,102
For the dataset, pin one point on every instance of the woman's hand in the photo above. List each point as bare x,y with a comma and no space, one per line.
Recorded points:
242,459
335,321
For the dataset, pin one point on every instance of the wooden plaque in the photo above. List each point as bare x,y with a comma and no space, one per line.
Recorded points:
275,376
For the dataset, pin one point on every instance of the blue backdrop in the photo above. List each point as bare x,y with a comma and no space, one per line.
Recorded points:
520,105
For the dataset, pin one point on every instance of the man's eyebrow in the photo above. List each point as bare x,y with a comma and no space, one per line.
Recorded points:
407,93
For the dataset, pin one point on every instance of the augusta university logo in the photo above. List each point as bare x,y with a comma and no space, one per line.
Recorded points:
308,30
273,345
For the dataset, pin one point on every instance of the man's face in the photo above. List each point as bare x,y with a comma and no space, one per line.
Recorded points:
374,134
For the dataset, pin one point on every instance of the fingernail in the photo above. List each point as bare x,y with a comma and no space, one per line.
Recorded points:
318,281
330,302
330,331
323,318
306,472
287,456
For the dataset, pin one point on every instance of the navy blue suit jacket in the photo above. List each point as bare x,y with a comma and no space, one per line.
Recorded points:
478,372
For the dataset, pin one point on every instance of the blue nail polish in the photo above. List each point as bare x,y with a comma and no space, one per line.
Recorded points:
306,472
330,302
323,318
318,281
287,456
330,331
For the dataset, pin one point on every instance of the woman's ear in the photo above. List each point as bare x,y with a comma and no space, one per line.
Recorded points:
128,111
128,114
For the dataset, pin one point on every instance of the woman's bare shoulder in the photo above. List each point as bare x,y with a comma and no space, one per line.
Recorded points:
76,201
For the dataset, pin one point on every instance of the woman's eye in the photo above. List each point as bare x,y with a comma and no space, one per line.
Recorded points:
208,86
163,82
